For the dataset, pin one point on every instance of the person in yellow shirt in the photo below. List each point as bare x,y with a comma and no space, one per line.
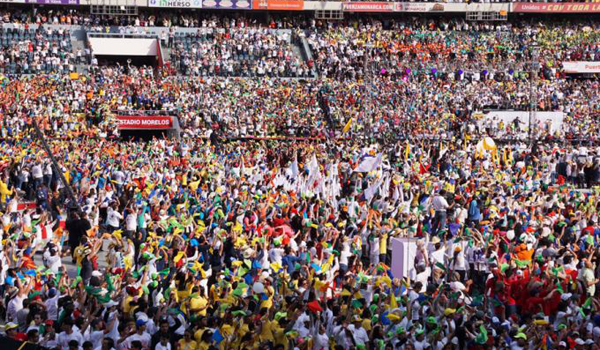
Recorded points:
187,343
4,192
196,304
205,340
383,243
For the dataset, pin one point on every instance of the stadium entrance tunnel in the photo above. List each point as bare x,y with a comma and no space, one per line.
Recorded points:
144,135
126,49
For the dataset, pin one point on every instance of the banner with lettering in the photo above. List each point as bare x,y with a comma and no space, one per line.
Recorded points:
369,6
143,122
283,5
581,67
190,4
571,7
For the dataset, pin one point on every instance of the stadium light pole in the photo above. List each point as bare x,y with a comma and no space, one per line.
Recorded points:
56,169
368,80
533,99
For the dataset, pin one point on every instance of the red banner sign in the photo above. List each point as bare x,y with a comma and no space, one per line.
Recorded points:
573,7
143,122
369,6
284,5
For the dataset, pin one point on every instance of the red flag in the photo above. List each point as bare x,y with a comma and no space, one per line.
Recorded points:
314,307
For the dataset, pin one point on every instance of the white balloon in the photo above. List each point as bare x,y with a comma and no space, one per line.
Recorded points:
510,234
258,288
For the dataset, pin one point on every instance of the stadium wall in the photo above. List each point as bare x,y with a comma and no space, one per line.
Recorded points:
283,5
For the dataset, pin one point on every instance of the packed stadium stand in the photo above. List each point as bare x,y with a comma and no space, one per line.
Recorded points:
289,174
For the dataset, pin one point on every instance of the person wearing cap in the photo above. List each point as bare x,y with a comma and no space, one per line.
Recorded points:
419,341
12,332
359,334
50,338
520,342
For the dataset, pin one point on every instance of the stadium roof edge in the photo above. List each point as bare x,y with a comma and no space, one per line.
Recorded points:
358,6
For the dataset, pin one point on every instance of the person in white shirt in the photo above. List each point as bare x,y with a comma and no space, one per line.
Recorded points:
113,217
37,174
68,334
51,258
321,340
52,304
358,333
440,205
48,174
342,336
131,223
164,344
140,335
17,296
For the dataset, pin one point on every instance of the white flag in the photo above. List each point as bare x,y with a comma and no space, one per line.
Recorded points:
369,163
294,168
372,189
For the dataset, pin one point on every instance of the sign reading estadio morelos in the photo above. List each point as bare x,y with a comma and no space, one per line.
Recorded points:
142,122
570,7
368,6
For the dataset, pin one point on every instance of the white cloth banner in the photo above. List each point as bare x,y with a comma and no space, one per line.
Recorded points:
369,164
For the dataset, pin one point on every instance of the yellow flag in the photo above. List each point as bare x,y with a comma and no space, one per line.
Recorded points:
393,302
407,150
347,126
179,257
194,185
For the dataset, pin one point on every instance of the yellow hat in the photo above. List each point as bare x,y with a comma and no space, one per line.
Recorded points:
449,311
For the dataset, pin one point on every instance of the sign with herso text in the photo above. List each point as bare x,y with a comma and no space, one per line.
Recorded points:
190,4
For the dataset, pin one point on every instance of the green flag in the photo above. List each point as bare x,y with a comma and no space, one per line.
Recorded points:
482,337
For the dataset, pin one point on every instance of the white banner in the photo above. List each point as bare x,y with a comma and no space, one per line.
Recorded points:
418,7
191,4
404,251
581,67
552,121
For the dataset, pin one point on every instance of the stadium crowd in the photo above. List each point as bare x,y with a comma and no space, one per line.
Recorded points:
238,52
211,242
